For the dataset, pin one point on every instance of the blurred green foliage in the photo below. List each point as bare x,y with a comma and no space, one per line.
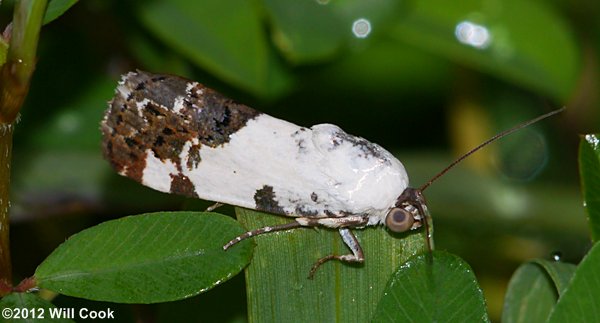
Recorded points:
426,79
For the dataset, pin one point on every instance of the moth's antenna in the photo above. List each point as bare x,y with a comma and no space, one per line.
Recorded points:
489,141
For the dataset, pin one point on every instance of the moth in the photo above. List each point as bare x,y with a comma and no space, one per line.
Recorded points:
178,136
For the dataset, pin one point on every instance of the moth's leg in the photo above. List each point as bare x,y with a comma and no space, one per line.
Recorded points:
350,240
249,234
340,222
214,207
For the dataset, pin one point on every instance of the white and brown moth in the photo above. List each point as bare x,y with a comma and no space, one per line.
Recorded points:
178,136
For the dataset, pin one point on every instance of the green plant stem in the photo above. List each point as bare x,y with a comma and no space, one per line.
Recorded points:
20,60
15,75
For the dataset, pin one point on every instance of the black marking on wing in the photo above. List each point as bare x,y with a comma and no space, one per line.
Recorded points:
367,148
265,200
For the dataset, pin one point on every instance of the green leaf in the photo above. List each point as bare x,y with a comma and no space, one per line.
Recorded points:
589,172
310,31
147,258
277,285
560,273
379,13
517,49
579,303
223,37
534,289
305,31
442,288
57,8
29,307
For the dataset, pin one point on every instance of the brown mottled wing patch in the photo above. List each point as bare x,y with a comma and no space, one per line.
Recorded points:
160,113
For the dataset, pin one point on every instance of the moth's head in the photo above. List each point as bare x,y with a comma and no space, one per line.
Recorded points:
408,213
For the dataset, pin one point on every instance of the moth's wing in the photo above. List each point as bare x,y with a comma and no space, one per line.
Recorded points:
177,136
276,166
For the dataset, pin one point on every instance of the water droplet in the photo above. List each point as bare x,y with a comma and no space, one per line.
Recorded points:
361,28
593,140
472,34
556,256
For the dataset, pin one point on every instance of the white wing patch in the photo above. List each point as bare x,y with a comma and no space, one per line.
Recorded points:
317,172
157,173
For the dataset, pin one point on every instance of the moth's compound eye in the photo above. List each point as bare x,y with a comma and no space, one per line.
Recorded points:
399,220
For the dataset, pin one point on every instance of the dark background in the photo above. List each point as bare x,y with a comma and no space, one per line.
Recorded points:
410,86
